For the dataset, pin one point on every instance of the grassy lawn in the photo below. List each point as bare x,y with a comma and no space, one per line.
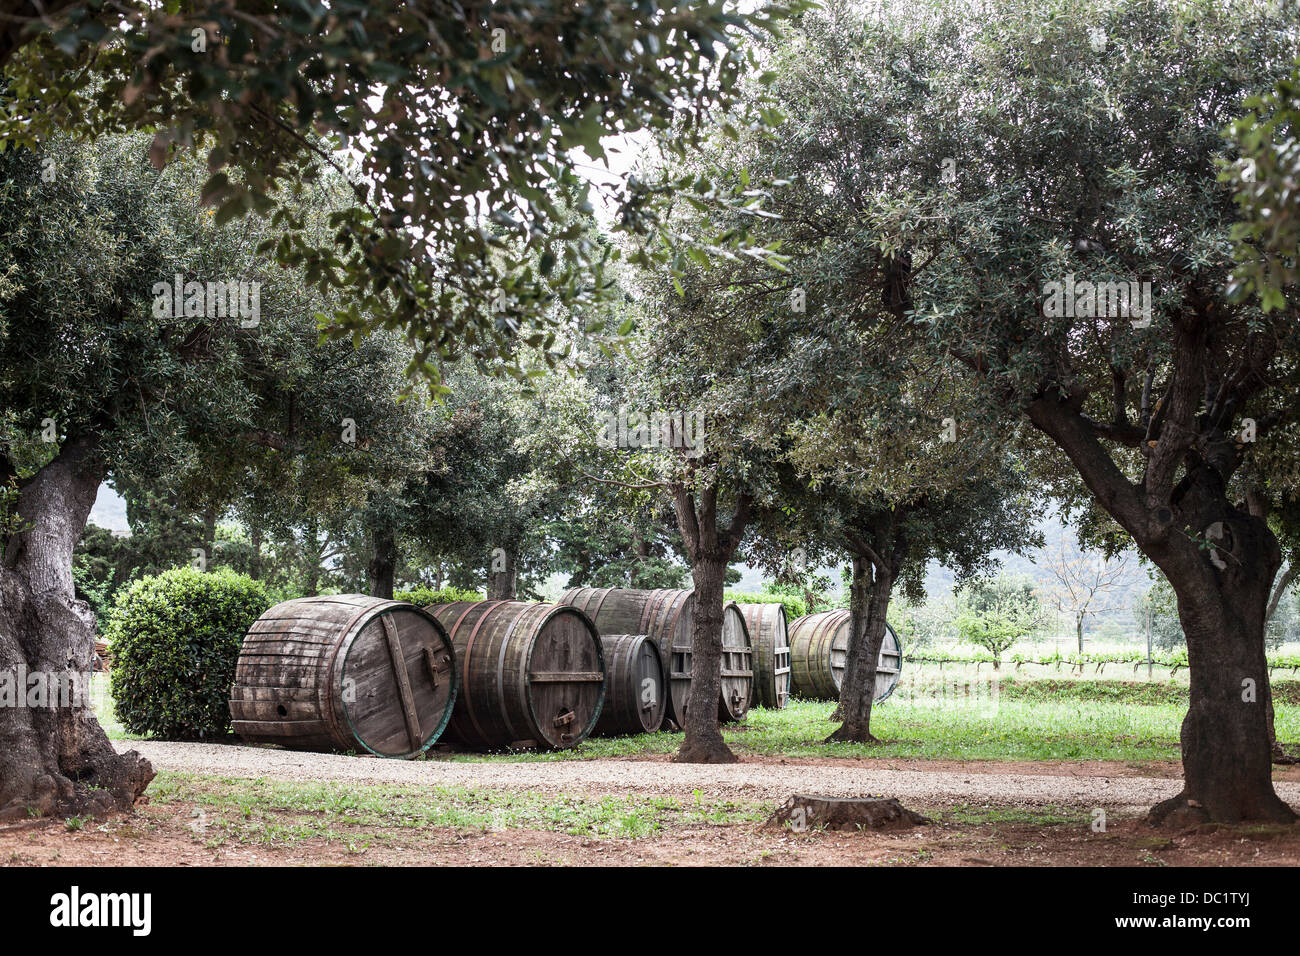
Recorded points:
263,811
1029,719
280,813
1018,730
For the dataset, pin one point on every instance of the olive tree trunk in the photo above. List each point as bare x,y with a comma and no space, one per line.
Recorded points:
383,562
869,594
710,551
1221,561
1227,757
54,757
503,574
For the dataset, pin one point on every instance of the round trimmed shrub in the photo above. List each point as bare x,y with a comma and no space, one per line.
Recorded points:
175,639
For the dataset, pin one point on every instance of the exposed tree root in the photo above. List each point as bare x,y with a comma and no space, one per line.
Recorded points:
1183,811
710,751
855,735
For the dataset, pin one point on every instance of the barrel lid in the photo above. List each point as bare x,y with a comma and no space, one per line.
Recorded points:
395,674
566,676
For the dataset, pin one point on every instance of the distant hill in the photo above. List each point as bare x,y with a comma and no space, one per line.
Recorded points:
1057,538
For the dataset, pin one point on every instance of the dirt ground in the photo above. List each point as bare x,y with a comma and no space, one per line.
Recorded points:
1116,787
1006,816
164,835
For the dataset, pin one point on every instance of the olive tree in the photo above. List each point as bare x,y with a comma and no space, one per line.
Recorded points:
103,376
1045,195
463,128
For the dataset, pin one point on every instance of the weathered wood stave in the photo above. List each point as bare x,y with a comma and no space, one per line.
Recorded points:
668,617
736,688
530,674
819,653
665,615
322,673
636,694
769,634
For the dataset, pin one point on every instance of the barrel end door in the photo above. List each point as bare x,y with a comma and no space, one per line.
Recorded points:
566,678
737,666
889,665
396,682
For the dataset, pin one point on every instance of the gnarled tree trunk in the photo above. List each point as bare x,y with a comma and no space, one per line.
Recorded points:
1220,561
54,757
1227,760
869,595
859,596
704,743
255,543
710,551
503,574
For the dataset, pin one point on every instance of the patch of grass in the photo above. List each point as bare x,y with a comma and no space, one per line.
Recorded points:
1078,723
279,812
1014,730
1030,719
1145,693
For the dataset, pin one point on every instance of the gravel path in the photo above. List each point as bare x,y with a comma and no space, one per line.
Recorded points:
750,782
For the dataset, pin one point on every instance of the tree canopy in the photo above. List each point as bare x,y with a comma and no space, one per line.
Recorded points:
466,121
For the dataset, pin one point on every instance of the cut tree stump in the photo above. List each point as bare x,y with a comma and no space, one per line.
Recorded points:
807,811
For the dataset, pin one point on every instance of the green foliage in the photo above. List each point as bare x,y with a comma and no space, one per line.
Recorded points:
175,639
462,240
1097,660
997,613
1267,178
810,593
423,596
795,606
94,574
922,625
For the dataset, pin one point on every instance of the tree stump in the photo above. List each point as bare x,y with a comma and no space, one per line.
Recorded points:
806,811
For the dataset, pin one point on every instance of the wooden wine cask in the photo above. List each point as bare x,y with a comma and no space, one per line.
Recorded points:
737,665
737,672
666,616
635,690
889,665
531,675
819,649
770,636
345,672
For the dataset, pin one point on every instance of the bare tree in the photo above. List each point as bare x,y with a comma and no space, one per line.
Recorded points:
1082,582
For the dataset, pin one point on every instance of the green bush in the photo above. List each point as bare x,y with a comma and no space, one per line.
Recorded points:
175,639
795,607
423,595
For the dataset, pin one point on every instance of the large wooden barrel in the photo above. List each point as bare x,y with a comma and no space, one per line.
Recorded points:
666,616
531,675
737,689
635,690
819,648
345,672
889,665
769,633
